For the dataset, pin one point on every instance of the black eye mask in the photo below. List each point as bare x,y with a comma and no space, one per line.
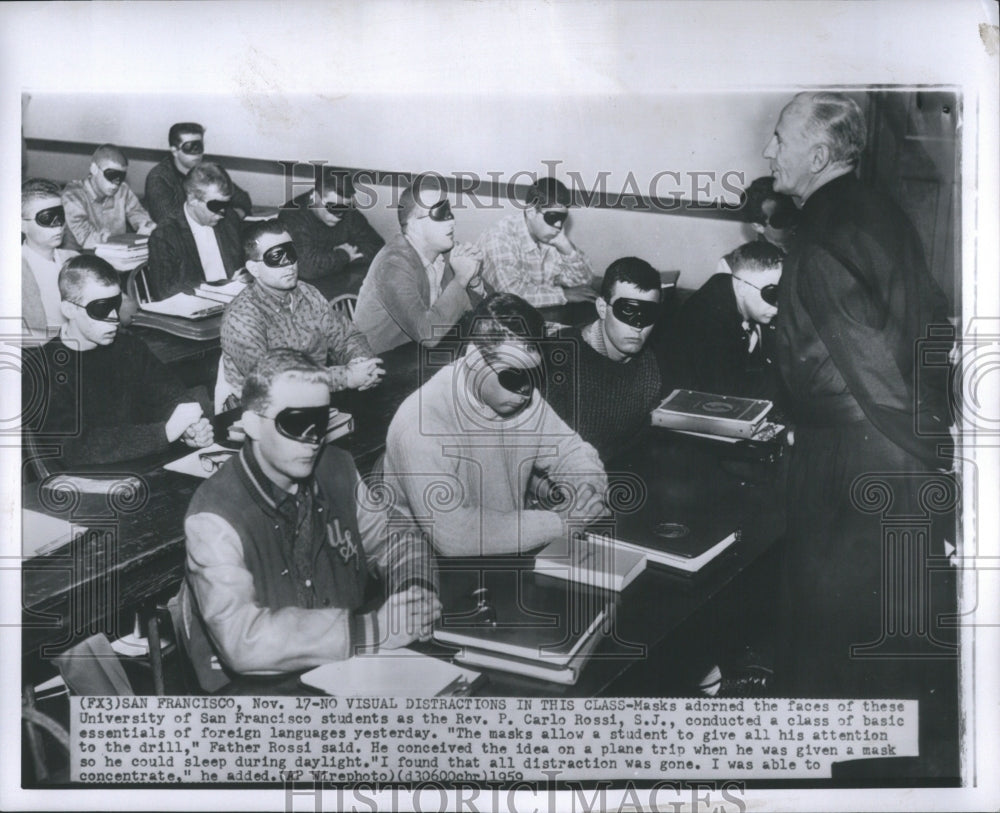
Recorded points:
637,313
101,309
305,424
280,255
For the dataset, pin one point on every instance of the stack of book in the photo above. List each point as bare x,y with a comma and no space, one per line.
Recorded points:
124,251
594,559
225,291
528,624
186,306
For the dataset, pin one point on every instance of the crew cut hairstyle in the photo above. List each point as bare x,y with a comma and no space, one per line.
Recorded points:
758,255
109,152
837,121
501,318
184,128
37,189
548,192
204,176
336,180
257,230
274,363
76,271
632,270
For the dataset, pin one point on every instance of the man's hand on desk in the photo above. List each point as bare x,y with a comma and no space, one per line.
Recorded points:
363,374
408,616
183,418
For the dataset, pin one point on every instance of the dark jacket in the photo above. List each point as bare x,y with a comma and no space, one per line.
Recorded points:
174,264
165,191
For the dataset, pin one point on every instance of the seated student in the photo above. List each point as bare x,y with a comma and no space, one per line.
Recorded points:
105,396
43,224
200,241
722,339
165,182
608,387
479,430
421,283
772,216
283,541
279,311
530,254
102,205
335,242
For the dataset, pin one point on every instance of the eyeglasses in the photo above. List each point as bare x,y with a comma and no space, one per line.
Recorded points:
115,176
519,380
101,309
302,424
219,207
555,218
196,147
50,218
769,293
637,313
212,461
440,212
280,255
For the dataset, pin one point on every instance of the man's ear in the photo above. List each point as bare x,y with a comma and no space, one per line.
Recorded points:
66,308
602,308
820,158
251,424
94,170
253,268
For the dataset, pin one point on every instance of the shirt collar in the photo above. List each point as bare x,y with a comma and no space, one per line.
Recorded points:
263,490
273,300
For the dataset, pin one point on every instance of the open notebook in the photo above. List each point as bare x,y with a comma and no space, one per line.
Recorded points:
395,673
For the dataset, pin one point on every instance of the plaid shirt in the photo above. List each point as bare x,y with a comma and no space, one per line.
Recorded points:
515,263
258,320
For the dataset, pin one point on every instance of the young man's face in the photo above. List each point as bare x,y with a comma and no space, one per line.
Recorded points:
277,269
283,459
434,227
84,327
205,205
540,228
748,297
189,152
790,152
107,175
322,207
40,236
506,382
623,332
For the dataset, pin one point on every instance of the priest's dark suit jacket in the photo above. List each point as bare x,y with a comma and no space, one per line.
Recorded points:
174,264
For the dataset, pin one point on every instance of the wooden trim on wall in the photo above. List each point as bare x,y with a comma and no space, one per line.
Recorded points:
483,189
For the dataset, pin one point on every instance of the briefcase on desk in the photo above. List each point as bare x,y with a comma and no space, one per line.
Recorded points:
708,413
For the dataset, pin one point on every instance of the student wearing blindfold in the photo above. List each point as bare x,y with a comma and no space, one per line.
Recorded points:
722,339
335,242
529,253
278,310
465,450
199,242
771,217
165,182
102,205
104,397
422,282
607,387
284,543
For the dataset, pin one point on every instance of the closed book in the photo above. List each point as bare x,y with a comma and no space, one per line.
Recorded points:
727,415
184,306
224,292
592,560
521,613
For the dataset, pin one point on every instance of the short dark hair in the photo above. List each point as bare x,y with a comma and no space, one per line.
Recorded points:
76,271
254,231
758,255
501,318
633,271
548,192
274,363
205,175
338,180
413,197
109,152
759,192
184,128
39,188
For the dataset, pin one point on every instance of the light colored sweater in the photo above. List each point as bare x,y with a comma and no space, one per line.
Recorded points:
462,472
